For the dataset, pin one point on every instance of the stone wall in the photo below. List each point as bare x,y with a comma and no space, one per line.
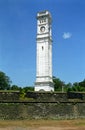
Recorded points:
47,97
42,110
42,96
7,95
44,106
56,96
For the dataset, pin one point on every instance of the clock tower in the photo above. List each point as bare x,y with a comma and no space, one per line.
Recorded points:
44,53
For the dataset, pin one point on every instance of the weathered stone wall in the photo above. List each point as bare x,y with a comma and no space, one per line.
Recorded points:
56,96
47,97
42,96
4,95
42,110
45,106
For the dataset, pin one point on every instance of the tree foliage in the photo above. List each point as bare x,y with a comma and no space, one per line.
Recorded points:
4,81
58,84
77,86
28,88
15,87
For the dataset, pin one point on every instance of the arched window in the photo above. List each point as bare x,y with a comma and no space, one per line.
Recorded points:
42,48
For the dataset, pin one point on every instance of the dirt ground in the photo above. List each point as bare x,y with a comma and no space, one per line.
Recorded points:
43,125
43,128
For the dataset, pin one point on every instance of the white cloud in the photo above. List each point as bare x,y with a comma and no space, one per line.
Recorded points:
67,35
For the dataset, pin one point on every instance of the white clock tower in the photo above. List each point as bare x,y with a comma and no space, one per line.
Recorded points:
44,53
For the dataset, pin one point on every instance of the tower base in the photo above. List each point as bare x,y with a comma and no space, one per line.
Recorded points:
44,86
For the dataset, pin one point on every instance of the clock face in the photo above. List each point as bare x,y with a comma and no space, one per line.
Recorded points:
42,29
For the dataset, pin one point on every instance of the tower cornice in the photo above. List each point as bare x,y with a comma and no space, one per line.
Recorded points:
44,38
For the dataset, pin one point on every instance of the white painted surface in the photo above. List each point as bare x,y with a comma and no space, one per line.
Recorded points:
44,53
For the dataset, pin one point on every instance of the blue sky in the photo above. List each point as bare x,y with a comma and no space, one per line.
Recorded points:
18,39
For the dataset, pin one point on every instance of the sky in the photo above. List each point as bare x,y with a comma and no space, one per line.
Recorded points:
18,27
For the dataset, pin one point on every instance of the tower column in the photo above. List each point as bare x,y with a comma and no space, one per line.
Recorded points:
44,53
